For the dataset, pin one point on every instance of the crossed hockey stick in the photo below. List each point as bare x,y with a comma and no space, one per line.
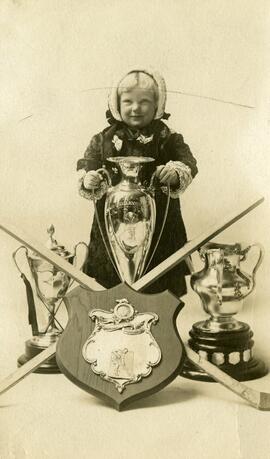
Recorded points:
257,399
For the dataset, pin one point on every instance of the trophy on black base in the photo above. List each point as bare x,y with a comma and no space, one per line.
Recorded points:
222,286
51,286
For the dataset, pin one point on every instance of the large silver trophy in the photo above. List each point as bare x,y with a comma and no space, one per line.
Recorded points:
222,286
51,286
130,215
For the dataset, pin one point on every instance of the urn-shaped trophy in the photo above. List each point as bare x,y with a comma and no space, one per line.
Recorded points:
130,216
222,286
50,286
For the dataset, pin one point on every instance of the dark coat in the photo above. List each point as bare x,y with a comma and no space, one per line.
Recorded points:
164,147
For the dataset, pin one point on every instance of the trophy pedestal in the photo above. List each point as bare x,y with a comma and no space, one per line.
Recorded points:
31,350
229,350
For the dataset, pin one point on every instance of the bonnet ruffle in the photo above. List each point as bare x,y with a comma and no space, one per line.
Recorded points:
162,96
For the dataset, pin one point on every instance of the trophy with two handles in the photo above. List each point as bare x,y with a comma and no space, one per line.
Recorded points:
46,287
129,215
227,278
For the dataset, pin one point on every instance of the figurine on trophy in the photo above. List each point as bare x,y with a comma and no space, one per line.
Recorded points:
135,171
51,286
222,286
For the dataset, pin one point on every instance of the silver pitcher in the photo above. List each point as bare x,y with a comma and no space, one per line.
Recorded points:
222,284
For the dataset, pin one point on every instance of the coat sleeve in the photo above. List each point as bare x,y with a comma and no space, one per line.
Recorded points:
180,151
93,156
92,160
182,161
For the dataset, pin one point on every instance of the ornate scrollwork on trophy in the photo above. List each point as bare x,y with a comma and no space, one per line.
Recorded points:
121,349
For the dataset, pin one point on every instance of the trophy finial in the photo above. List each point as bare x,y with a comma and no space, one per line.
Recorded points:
51,230
52,242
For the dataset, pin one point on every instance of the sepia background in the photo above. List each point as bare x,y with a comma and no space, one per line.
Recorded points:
57,61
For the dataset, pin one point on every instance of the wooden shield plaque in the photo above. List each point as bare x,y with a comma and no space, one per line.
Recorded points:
120,345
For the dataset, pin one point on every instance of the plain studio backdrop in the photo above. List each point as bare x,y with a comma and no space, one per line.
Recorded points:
57,61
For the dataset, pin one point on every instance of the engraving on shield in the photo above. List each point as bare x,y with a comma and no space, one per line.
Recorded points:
121,348
121,364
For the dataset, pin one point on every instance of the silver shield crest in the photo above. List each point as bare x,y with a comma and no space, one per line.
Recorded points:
121,348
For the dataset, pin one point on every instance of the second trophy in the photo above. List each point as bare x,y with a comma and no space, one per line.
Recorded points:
222,285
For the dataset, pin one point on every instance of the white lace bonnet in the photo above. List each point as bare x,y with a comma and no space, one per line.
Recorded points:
162,95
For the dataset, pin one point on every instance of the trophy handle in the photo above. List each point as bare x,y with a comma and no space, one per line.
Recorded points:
151,190
32,315
81,265
213,270
202,254
105,174
259,261
14,256
96,193
105,242
151,187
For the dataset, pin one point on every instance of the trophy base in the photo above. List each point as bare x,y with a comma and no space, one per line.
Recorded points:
31,350
230,351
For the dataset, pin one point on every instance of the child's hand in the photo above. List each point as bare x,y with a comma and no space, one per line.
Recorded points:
92,179
167,175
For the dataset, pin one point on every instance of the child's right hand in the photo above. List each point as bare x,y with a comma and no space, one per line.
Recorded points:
92,179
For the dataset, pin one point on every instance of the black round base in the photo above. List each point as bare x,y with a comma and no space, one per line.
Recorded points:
253,369
229,350
31,350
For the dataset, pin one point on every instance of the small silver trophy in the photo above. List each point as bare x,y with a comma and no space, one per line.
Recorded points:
51,286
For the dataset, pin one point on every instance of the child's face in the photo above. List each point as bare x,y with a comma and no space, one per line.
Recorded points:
137,107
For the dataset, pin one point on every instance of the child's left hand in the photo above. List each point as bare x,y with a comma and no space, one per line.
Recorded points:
167,175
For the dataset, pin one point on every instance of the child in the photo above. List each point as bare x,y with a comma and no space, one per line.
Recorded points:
136,107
